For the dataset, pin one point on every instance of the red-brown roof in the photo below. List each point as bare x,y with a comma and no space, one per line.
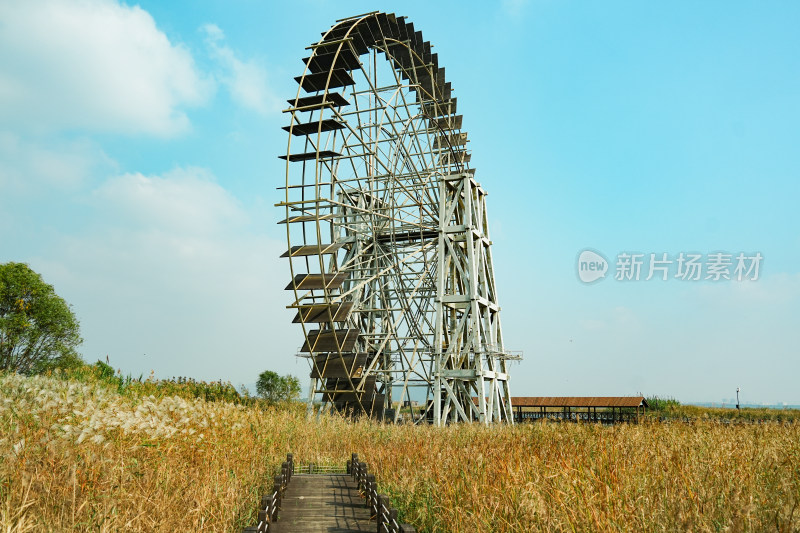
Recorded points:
579,401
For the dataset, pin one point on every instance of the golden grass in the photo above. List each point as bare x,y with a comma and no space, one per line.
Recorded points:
746,414
79,457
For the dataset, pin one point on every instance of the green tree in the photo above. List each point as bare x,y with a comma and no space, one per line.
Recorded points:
38,329
291,388
275,388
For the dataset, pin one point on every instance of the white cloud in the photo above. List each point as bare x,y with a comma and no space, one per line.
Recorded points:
773,291
180,271
93,64
182,201
26,165
246,80
515,8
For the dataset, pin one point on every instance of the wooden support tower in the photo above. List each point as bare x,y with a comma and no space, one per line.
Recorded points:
387,235
471,363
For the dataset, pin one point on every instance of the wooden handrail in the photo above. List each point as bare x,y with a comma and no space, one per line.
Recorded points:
271,503
385,516
380,509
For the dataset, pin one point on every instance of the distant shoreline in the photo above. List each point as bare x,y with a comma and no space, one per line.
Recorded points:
726,405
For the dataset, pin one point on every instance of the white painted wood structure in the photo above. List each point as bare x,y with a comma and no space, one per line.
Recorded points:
387,233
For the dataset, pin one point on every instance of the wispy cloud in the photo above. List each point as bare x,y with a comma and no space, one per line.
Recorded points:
772,290
26,166
183,201
245,80
515,8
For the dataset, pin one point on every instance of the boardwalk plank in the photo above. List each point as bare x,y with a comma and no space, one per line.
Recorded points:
327,503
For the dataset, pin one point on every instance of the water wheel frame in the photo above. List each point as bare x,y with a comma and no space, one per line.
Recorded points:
387,233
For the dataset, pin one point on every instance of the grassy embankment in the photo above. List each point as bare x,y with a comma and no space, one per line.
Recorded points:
100,453
671,409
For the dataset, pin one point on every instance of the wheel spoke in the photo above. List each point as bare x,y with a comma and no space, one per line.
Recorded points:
388,247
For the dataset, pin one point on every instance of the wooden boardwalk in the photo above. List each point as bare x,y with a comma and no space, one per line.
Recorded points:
327,503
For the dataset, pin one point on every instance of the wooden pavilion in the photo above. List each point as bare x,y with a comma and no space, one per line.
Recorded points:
602,409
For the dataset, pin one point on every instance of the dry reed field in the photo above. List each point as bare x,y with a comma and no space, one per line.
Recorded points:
80,456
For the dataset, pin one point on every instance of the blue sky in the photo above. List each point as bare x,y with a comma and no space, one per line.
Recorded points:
138,167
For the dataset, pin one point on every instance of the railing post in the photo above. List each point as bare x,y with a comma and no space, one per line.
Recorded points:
383,507
363,472
273,505
386,518
278,490
372,492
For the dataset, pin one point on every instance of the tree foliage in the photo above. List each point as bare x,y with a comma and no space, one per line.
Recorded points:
657,403
38,329
275,388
